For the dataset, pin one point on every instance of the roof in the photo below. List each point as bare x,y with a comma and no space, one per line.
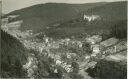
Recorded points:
117,57
109,42
94,39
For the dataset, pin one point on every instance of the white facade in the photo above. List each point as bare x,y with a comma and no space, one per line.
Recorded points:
95,48
94,39
91,17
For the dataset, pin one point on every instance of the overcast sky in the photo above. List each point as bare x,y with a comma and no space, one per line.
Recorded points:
11,5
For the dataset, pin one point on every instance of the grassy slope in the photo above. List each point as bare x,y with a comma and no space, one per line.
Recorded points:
13,56
39,16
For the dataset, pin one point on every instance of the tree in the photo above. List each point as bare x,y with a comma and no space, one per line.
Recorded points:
74,74
75,67
119,30
87,48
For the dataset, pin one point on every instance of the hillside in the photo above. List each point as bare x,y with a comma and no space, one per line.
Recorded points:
39,16
109,15
13,56
114,9
92,42
109,70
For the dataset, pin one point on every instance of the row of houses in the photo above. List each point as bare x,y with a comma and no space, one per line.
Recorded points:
107,47
118,47
41,46
31,66
94,43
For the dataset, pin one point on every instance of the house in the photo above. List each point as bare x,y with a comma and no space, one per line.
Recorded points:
122,56
116,47
87,57
91,17
58,62
89,40
67,67
70,55
57,57
55,71
95,48
46,39
109,42
93,39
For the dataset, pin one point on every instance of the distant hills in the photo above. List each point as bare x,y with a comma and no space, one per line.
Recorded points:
110,15
39,16
112,11
61,19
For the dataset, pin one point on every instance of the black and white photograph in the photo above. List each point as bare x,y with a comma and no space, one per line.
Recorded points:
63,39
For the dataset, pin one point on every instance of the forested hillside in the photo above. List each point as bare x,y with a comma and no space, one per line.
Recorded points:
38,17
109,14
13,56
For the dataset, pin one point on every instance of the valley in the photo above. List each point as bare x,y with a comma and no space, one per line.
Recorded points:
70,47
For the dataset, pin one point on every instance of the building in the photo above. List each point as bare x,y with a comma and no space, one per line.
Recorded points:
95,48
91,17
94,39
109,42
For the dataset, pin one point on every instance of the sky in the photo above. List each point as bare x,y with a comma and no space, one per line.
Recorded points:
11,5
